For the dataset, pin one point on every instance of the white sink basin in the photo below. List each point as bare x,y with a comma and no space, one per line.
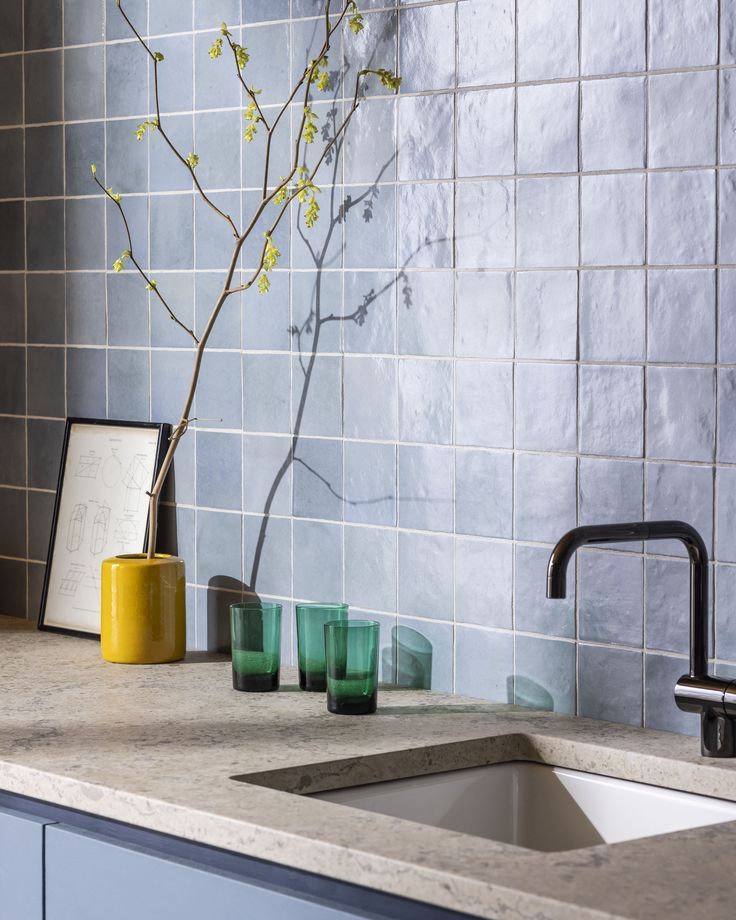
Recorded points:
536,806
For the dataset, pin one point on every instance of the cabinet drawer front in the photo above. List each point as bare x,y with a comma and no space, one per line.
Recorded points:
89,876
21,866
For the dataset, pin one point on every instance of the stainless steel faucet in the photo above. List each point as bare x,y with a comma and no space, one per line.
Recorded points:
697,691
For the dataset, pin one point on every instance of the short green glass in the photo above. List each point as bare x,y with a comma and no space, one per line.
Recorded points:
351,654
310,635
255,632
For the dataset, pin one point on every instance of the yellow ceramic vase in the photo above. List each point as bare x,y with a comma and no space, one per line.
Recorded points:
143,609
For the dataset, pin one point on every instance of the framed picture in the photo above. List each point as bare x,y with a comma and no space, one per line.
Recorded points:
101,510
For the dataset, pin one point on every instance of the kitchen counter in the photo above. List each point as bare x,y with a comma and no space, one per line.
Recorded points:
157,747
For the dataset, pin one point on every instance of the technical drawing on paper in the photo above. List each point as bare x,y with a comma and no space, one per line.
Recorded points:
71,580
135,481
125,533
88,466
112,469
75,530
100,530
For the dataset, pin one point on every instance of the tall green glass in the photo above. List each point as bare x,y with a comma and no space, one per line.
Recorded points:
255,631
351,654
310,634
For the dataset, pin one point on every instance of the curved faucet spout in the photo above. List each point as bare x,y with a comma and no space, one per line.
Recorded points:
645,530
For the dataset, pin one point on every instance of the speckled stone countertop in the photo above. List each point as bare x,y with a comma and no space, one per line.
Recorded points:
157,746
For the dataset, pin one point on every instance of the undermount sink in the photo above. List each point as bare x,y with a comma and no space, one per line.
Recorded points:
536,806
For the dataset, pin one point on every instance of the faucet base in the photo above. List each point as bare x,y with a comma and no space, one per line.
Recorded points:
718,737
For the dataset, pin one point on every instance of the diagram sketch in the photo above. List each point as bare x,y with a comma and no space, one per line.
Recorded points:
88,467
135,480
75,530
100,530
101,511
112,469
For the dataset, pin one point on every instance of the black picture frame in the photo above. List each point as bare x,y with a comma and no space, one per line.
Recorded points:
164,433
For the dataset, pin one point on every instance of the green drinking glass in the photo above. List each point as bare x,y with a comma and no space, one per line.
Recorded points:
255,631
310,635
351,654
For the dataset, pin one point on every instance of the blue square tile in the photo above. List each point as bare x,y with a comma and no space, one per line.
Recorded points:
40,514
84,144
546,315
725,619
376,42
370,227
725,507
84,233
85,308
267,562
84,83
214,238
612,410
219,393
167,173
661,673
261,10
610,684
613,123
545,674
13,510
547,222
425,656
422,28
611,491
486,42
43,87
682,316
86,382
44,443
170,16
11,26
612,315
316,402
370,142
226,332
547,119
218,546
315,294
11,151
171,231
127,306
726,439
128,394
485,224
727,224
370,483
180,483
46,309
484,664
12,315
611,598
42,25
533,611
675,491
613,219
425,225
208,14
680,413
215,86
370,398
136,215
545,497
483,493
266,326
425,401
426,585
426,149
318,562
46,393
171,372
175,90
127,157
13,381
44,235
44,162
318,479
14,600
426,313
485,131
126,79
11,76
727,152
484,315
370,308
267,471
426,500
484,413
546,406
681,218
690,138
370,568
218,147
602,19
266,387
483,582
11,235
668,610
219,466
668,47
547,39
178,290
268,68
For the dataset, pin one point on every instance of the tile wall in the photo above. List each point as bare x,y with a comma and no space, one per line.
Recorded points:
517,313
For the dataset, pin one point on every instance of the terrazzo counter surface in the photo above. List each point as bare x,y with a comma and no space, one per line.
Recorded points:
157,747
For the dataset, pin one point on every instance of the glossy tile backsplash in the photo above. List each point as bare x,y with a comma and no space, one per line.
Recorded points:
516,314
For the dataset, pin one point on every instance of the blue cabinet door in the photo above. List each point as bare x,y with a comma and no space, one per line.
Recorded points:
21,866
90,876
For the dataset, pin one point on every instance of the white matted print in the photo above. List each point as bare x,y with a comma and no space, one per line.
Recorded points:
101,510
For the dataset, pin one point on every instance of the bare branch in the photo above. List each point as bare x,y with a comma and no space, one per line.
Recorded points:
150,283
